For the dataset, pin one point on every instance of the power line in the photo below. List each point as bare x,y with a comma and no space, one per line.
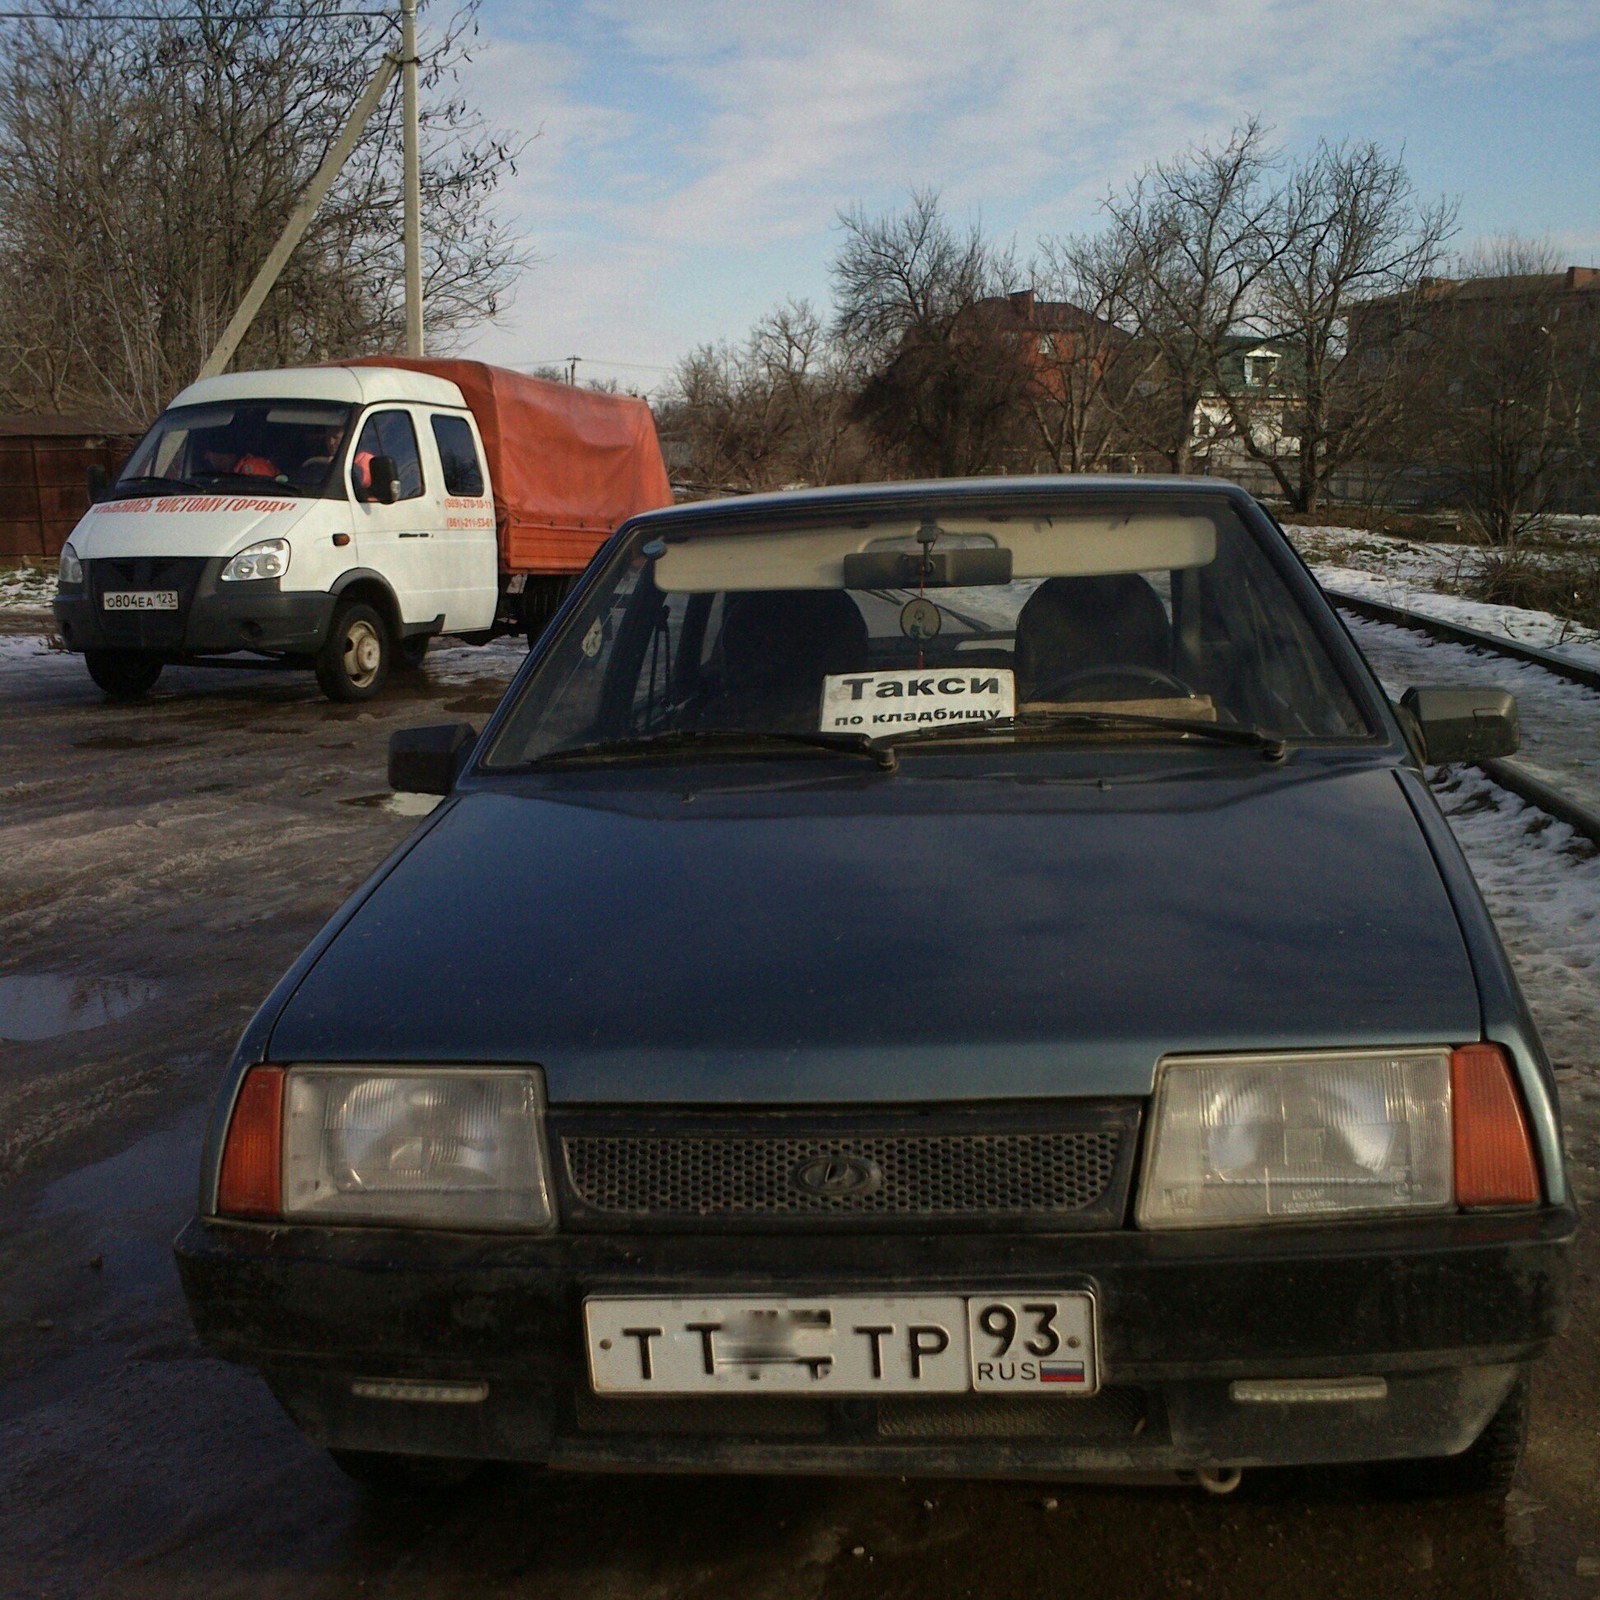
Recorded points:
189,16
594,361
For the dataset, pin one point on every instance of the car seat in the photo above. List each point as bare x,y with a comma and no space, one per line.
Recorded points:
776,647
1073,625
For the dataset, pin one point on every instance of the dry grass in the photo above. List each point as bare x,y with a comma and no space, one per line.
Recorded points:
1565,584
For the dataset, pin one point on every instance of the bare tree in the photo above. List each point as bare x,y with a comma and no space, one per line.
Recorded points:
771,412
1515,383
1196,233
1087,363
146,168
943,390
1347,228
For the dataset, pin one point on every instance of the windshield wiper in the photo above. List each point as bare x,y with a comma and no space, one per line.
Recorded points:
1047,723
171,484
652,744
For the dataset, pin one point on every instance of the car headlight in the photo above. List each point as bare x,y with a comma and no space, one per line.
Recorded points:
71,568
1245,1139
426,1148
267,559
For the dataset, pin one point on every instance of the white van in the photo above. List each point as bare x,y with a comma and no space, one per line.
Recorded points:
335,517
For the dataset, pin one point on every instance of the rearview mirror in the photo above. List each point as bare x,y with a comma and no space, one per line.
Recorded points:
97,480
429,760
1464,724
385,479
941,569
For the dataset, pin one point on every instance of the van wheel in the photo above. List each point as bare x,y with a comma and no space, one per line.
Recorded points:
541,599
354,659
123,674
1486,1467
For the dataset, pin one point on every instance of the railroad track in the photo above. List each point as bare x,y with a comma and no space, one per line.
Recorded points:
1508,774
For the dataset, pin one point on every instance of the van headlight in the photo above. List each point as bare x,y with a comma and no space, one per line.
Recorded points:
1249,1139
269,558
424,1148
70,572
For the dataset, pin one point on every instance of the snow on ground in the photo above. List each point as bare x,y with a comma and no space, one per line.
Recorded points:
1405,563
1538,628
34,663
1560,720
1542,882
27,588
1427,578
450,664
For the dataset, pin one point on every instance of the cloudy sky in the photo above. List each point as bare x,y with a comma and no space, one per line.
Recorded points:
693,155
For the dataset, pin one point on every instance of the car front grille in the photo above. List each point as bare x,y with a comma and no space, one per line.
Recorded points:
143,630
1064,1166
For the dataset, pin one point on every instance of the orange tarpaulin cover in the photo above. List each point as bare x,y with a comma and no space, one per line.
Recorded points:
568,465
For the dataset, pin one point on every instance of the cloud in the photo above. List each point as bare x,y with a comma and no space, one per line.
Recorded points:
718,128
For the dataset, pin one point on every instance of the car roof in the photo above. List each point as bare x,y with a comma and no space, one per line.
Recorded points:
351,385
806,505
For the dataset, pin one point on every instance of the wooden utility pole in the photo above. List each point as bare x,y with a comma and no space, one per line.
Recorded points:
413,176
332,163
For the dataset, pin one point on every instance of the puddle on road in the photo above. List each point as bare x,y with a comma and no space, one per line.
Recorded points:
40,1007
398,805
123,741
474,702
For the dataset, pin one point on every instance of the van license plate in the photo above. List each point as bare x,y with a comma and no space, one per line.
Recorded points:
140,600
1034,1343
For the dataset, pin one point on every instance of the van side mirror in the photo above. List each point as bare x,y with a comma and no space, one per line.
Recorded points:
97,480
385,478
1464,724
429,760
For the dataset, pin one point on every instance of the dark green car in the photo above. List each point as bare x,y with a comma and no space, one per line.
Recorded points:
949,978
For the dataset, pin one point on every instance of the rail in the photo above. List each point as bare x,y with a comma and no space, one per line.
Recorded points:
1508,774
1476,638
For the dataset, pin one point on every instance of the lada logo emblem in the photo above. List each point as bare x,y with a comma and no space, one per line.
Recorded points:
838,1177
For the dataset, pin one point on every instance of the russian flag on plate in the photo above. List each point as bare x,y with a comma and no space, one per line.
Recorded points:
1060,1372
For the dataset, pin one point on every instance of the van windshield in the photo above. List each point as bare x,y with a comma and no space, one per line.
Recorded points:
288,447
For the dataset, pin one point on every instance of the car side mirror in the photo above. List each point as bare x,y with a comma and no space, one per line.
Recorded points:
429,760
97,481
1464,724
385,479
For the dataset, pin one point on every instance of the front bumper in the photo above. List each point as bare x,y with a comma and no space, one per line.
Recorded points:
212,617
1447,1312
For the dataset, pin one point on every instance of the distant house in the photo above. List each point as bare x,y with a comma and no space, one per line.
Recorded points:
1050,335
1518,358
44,465
1260,380
1571,298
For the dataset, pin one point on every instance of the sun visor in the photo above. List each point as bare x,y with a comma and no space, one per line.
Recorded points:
813,558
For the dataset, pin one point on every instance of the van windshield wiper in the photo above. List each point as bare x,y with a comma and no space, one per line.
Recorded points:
647,745
170,485
1050,724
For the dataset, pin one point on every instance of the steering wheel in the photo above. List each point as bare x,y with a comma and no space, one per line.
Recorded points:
1116,673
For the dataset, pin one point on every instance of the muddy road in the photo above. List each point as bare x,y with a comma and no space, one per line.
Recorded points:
160,866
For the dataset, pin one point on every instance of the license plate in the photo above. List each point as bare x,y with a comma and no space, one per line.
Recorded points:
1038,1343
140,600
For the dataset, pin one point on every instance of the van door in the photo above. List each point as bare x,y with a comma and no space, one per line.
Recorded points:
398,541
468,547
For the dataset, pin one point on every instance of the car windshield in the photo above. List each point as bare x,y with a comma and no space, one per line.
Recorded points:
240,446
1154,619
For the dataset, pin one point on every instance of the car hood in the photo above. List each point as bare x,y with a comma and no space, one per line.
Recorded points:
184,524
893,939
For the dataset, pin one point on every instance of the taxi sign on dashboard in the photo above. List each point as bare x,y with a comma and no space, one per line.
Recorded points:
888,702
